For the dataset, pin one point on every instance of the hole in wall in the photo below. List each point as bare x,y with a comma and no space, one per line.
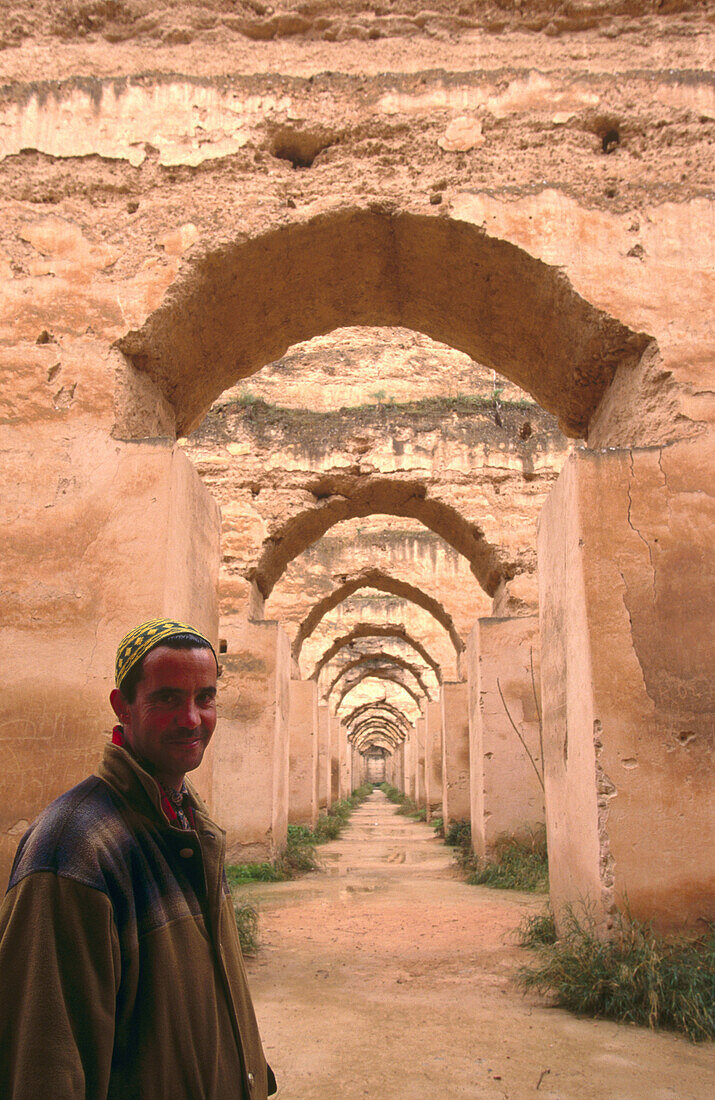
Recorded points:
300,147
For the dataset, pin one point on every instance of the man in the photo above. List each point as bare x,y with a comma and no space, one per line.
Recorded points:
120,967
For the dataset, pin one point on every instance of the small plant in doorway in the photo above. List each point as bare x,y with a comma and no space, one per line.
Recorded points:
240,873
458,834
537,930
392,793
299,856
247,924
405,805
518,862
633,976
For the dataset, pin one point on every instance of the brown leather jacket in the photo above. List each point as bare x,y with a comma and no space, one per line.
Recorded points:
120,967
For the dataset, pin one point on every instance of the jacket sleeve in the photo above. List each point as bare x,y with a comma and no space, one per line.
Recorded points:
59,975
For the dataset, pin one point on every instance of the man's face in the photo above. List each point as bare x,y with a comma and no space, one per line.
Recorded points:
173,716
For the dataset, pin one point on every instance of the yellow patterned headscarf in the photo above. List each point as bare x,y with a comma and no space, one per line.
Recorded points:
137,643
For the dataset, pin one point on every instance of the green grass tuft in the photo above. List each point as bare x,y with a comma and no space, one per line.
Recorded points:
405,805
537,930
636,976
299,856
327,827
239,873
459,834
518,863
392,793
247,924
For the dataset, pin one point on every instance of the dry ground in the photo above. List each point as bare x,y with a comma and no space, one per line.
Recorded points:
386,976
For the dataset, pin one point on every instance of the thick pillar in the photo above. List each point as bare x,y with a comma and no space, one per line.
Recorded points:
99,534
251,744
324,778
507,796
455,752
334,758
420,733
355,761
410,763
433,758
400,767
303,739
625,555
345,759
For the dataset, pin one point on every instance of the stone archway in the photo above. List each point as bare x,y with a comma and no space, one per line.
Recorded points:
381,679
369,630
396,677
240,306
341,497
381,660
375,578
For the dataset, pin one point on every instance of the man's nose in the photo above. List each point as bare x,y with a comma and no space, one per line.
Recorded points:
190,716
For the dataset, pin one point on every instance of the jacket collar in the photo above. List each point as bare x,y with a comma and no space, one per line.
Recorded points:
126,776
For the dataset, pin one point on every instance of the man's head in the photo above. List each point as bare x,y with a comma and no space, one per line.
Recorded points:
165,697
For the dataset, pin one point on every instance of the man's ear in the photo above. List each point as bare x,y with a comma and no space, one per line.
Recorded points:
119,705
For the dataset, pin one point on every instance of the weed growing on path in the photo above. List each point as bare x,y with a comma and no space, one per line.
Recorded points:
298,856
392,793
517,863
635,976
405,805
537,930
459,835
247,924
240,873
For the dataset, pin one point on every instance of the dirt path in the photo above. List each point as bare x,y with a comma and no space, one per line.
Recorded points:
387,977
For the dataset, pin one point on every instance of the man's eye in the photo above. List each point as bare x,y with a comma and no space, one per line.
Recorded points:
206,699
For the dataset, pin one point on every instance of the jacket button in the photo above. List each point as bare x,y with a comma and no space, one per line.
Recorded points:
186,853
251,1080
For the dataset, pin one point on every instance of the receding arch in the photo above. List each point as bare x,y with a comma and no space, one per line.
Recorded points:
383,582
380,724
376,661
344,496
409,708
373,721
372,630
362,709
375,738
376,674
239,306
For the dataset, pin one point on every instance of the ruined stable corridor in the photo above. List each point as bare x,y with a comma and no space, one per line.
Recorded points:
386,976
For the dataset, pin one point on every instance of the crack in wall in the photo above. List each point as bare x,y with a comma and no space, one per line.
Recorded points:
605,791
635,530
